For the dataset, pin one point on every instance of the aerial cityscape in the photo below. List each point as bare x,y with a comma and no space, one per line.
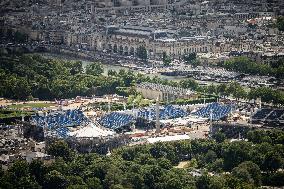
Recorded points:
141,94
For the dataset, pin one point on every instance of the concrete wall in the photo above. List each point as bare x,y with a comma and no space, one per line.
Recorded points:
150,94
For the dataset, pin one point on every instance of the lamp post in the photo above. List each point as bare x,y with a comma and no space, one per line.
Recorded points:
211,117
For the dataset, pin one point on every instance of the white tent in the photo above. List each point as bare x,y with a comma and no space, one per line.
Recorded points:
92,131
168,138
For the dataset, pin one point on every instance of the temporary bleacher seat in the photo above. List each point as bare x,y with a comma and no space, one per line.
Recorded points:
218,111
58,121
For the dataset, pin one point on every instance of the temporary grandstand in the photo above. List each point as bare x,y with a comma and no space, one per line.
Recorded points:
59,122
167,112
120,120
116,120
269,116
216,110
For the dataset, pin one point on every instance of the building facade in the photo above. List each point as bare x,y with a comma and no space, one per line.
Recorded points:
126,40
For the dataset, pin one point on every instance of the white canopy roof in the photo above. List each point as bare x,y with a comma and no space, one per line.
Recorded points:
92,131
168,138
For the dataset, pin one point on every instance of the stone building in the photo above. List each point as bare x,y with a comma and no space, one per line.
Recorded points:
164,92
127,39
119,3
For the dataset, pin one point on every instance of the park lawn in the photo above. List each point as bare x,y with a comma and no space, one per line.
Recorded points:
10,114
31,105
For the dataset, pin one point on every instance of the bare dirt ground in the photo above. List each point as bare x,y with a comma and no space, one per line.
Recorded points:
182,164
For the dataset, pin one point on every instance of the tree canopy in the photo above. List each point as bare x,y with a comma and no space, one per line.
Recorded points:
191,58
238,164
142,53
166,59
280,23
26,76
246,65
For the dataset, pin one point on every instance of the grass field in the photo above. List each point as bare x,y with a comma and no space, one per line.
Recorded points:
31,105
11,114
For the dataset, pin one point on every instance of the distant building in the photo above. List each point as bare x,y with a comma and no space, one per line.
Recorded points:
163,92
30,156
259,56
127,39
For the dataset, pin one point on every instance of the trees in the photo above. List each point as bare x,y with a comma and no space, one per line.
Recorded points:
248,172
217,182
142,53
21,89
280,23
217,166
60,149
166,59
76,67
236,90
176,178
27,76
184,149
94,69
236,153
113,177
94,183
18,177
151,175
276,179
245,65
137,100
191,59
272,161
136,179
27,182
267,95
32,75
173,183
76,181
256,136
235,183
20,37
55,179
188,84
219,137
223,90
240,64
160,150
151,166
211,89
210,156
203,182
164,163
38,170
19,169
112,73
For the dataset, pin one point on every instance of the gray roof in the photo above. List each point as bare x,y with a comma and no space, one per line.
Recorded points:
133,30
165,88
